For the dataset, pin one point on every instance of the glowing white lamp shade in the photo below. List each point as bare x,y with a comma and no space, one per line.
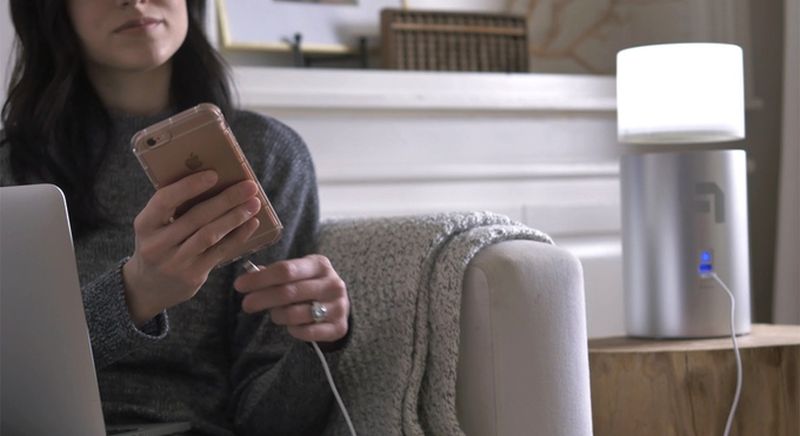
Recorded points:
680,93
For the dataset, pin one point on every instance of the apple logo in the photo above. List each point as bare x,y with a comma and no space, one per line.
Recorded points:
193,162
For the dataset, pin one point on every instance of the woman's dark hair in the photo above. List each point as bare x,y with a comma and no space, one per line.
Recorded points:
56,126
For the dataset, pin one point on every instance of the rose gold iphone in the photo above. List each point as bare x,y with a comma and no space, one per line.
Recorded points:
199,139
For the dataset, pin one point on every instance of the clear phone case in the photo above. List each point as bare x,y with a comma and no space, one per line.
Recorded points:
198,139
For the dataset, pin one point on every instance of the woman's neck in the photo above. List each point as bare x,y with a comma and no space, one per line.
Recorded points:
134,93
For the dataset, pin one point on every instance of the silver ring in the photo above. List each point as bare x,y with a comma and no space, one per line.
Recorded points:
318,311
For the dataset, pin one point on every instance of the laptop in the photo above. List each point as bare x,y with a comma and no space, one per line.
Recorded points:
47,375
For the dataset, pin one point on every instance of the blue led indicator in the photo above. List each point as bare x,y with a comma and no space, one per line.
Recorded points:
705,256
705,268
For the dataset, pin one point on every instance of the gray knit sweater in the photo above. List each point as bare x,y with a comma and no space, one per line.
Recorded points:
205,360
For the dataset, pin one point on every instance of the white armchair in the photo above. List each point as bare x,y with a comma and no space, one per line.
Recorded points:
523,365
463,323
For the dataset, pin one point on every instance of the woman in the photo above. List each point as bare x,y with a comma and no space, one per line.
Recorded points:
173,338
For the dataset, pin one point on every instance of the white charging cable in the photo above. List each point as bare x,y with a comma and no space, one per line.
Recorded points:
732,412
251,267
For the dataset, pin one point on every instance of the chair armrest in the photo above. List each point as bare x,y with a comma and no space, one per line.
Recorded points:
523,360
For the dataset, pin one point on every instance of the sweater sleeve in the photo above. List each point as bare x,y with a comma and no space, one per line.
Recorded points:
279,386
112,331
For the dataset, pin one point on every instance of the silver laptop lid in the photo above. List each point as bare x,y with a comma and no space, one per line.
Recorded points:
47,373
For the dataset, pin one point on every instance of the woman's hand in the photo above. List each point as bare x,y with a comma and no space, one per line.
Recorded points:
289,287
172,259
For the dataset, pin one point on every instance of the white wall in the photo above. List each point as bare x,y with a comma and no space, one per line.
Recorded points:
763,146
787,294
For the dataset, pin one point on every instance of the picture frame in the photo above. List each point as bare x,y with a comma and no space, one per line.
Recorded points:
270,25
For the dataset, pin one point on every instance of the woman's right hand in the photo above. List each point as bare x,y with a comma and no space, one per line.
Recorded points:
172,259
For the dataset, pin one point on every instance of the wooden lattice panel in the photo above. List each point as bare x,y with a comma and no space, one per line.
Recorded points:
453,41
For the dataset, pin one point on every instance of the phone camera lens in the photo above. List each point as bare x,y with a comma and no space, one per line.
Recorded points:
151,142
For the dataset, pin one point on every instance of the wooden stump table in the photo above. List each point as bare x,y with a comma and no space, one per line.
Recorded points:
686,387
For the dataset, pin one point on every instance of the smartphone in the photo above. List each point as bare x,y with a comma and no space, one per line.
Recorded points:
199,139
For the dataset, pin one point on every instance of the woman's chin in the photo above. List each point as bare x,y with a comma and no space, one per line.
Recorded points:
141,63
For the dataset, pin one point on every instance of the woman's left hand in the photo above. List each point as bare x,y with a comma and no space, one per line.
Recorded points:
287,290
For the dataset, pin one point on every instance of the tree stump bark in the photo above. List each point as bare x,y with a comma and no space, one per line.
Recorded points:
686,387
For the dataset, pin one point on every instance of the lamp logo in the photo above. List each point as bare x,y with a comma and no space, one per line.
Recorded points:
717,198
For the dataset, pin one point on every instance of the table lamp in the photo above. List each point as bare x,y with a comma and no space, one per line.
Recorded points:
684,206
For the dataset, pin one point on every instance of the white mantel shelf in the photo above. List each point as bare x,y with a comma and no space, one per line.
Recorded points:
292,88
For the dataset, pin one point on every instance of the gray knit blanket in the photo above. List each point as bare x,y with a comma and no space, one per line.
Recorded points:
404,276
